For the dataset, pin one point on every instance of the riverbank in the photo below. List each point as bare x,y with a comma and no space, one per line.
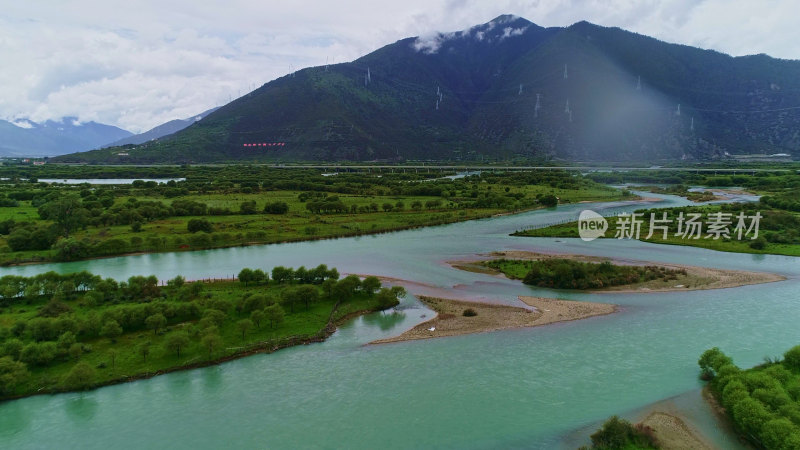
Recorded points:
695,277
776,230
452,321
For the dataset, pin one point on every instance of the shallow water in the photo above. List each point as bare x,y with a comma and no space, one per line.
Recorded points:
527,388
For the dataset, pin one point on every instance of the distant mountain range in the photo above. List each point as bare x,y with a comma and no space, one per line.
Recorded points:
26,138
23,138
165,129
505,89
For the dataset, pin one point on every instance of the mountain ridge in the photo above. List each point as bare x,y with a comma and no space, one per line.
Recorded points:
602,94
24,137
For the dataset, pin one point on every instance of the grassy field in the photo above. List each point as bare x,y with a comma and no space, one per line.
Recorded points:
373,208
120,358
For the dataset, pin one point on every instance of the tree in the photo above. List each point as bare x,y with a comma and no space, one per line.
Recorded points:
257,317
259,276
66,212
112,353
155,322
66,340
111,329
370,285
40,354
387,206
75,351
791,359
144,350
80,377
254,302
12,373
289,297
751,415
247,207
244,326
346,288
12,348
211,341
386,298
195,225
176,341
70,249
276,208
308,295
245,275
416,205
613,434
548,200
282,274
274,313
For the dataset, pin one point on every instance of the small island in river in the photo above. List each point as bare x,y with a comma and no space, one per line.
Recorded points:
606,275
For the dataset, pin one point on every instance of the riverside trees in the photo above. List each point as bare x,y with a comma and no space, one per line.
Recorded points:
764,402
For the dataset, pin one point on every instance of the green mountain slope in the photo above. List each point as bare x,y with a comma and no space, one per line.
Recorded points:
473,94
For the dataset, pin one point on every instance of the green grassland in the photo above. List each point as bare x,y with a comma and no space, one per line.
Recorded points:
370,204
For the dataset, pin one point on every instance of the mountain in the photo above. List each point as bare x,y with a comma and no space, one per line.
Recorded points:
505,89
26,138
165,129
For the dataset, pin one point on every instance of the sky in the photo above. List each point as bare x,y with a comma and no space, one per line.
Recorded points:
137,64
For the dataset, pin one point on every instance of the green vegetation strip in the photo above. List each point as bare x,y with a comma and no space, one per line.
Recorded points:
779,230
763,402
77,331
569,274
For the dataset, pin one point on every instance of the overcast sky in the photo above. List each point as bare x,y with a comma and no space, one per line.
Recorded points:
136,64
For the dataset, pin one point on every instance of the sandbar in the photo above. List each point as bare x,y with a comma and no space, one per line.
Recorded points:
450,319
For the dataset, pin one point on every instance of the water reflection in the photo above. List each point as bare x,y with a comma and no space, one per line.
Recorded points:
82,407
385,320
15,419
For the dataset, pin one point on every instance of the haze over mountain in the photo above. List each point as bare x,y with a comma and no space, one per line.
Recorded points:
165,129
505,89
26,138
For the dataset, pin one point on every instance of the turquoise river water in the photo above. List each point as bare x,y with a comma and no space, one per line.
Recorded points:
544,387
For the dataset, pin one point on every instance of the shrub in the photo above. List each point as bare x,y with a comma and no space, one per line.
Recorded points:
469,312
195,225
276,208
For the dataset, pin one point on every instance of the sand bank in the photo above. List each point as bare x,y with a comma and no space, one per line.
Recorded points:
450,319
673,433
696,278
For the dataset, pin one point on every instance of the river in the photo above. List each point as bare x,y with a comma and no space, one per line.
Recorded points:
525,388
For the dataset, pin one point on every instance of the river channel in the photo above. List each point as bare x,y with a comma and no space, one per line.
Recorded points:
544,387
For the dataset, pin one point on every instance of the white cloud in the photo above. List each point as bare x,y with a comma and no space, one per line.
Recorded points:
510,32
140,64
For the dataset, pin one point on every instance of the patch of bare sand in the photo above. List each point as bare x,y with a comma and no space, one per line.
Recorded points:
450,319
696,278
673,433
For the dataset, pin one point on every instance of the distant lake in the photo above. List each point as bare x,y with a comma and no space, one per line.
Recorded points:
105,180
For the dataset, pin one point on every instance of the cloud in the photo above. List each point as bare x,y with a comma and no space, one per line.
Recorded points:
511,32
140,64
